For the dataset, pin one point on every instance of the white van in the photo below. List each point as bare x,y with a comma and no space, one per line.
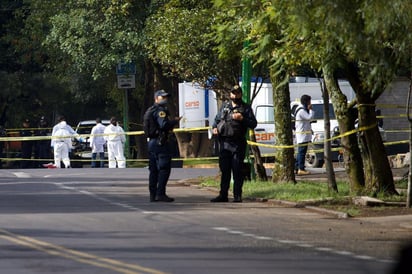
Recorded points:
265,131
315,155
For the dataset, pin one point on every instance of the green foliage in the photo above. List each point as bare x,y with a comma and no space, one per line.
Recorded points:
180,38
96,35
53,48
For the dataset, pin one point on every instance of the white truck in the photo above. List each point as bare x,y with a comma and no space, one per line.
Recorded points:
198,106
263,108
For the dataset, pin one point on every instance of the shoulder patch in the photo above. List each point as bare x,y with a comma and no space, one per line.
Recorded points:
162,114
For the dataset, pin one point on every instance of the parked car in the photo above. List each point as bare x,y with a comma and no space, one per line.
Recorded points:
82,148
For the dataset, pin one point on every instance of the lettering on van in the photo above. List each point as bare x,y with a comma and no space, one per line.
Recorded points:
192,104
270,136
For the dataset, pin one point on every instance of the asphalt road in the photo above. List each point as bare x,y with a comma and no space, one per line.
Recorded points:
101,221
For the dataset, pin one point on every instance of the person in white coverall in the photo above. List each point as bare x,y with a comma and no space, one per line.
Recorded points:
115,137
97,142
61,142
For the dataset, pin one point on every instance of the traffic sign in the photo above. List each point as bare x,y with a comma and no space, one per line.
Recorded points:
125,68
126,81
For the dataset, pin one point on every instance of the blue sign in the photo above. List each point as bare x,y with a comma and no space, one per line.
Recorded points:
125,68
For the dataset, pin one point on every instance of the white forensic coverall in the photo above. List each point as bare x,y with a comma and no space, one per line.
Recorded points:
97,140
115,137
62,143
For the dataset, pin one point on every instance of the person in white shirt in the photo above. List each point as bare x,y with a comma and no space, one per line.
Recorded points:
303,116
97,142
61,142
115,137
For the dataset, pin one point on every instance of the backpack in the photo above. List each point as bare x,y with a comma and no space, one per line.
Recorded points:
150,127
294,117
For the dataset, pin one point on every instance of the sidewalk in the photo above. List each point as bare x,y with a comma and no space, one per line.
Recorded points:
402,222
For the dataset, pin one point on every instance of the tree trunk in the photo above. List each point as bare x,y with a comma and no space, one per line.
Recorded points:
258,163
346,120
194,144
327,142
380,178
284,165
378,174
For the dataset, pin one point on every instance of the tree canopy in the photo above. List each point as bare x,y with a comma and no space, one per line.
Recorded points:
61,53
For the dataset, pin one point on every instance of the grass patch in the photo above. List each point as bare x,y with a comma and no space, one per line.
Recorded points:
402,183
200,162
286,191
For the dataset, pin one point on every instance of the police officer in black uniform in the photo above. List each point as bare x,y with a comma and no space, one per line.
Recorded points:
26,145
3,133
42,147
160,148
230,125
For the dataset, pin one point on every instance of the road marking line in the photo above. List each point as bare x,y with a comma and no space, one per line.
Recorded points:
22,175
300,244
123,205
221,228
235,232
264,238
306,245
78,256
364,257
326,249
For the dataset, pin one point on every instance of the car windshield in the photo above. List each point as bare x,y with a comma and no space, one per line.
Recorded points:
85,129
264,114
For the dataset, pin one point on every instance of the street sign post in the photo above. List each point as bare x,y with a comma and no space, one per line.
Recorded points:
126,80
125,68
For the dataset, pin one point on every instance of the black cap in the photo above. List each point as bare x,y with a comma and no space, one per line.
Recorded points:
161,93
236,89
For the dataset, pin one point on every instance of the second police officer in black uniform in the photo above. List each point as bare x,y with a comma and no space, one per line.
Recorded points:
157,127
26,145
230,125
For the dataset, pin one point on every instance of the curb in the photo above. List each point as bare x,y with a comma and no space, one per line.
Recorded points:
340,215
337,214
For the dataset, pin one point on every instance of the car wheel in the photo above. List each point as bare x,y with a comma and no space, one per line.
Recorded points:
313,159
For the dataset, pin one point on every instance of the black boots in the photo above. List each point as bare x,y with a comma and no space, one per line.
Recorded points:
223,199
220,199
164,198
237,199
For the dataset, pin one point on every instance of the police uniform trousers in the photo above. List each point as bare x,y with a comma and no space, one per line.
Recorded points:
231,156
26,151
43,152
160,164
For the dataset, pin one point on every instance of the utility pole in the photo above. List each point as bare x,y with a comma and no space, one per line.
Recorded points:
126,120
246,79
